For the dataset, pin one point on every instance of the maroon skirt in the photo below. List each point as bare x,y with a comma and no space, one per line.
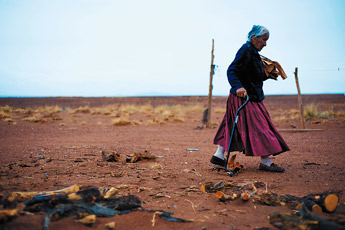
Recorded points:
254,135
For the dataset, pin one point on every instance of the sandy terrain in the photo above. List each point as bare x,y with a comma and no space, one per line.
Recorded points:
63,148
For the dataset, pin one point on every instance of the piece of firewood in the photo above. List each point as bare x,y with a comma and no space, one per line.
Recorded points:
327,200
301,219
8,214
139,156
88,220
111,157
21,196
234,166
311,205
245,195
210,187
110,225
110,193
243,192
224,197
272,69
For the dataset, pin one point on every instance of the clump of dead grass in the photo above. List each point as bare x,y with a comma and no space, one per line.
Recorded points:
219,110
124,120
128,109
312,111
194,108
4,114
120,114
48,109
154,121
9,120
6,109
281,119
35,119
145,109
156,166
81,109
165,113
105,110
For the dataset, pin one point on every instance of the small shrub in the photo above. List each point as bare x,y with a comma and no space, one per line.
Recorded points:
6,109
156,166
49,109
96,111
195,108
154,121
311,111
281,119
28,111
145,109
294,114
4,114
32,119
82,109
340,114
220,110
121,121
128,109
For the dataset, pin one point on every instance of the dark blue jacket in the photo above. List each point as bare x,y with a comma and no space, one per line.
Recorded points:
247,71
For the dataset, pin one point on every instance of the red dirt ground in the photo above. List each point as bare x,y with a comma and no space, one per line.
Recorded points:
314,164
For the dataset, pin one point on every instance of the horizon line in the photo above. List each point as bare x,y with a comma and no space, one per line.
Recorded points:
218,95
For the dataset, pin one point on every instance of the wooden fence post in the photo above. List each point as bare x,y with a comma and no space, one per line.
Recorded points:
299,100
209,103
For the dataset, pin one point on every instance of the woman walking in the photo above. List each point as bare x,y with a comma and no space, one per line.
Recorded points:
255,134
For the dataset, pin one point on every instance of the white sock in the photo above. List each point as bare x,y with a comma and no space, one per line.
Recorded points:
266,160
220,152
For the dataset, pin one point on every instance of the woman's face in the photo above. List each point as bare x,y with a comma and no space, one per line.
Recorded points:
260,42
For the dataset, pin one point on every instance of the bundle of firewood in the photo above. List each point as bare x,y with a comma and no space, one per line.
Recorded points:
317,203
84,204
139,156
272,69
304,219
228,191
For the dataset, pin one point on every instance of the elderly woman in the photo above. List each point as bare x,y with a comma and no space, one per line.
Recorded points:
255,134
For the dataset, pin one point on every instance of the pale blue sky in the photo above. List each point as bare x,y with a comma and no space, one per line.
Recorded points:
161,47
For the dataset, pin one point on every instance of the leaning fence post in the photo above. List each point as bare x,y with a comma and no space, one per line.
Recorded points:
299,100
209,104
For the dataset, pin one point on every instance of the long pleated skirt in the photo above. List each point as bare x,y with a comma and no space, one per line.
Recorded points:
254,135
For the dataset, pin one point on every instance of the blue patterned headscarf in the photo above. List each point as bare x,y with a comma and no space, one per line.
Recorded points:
257,31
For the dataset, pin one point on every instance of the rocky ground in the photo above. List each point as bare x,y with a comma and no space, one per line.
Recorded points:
63,148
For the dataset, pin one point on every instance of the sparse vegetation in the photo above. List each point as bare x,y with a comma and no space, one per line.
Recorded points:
220,110
8,120
131,114
124,121
311,111
81,109
4,114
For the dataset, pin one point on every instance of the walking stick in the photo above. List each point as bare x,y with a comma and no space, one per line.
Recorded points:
231,136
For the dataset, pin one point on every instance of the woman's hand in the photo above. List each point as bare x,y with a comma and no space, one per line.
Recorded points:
241,92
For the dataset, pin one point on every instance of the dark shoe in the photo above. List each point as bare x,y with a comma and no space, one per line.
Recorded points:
217,161
271,168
